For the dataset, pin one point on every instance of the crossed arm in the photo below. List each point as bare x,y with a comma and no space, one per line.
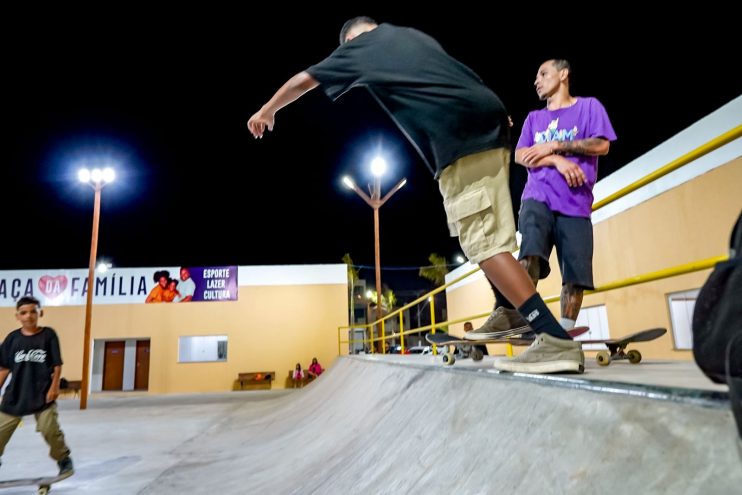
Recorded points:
551,154
291,91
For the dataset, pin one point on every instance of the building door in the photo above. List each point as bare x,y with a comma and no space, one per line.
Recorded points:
113,366
141,375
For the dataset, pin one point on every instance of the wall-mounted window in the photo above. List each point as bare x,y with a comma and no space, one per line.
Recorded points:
202,348
681,306
595,317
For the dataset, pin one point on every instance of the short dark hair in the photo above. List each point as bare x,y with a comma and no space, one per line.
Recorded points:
27,300
351,23
562,63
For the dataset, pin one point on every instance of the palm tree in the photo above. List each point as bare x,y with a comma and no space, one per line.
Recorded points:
352,279
436,271
388,299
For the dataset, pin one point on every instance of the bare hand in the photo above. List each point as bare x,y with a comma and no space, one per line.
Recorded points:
534,153
259,122
572,173
52,394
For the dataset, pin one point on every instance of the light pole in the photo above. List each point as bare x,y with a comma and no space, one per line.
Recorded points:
96,178
378,167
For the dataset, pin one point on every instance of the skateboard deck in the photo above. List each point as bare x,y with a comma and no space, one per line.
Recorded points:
468,348
44,483
617,347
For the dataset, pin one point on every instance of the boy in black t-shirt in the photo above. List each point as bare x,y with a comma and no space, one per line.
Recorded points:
31,354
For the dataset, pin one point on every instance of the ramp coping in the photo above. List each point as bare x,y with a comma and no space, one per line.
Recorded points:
691,396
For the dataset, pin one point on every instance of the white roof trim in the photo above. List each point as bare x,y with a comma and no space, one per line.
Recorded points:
264,275
703,131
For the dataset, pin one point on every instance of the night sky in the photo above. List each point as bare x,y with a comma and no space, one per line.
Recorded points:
166,96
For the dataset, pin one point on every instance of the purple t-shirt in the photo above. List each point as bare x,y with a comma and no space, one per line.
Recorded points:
585,119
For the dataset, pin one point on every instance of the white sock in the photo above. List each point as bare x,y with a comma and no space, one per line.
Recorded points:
567,324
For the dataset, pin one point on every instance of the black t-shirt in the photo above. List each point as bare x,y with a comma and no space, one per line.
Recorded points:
439,104
31,359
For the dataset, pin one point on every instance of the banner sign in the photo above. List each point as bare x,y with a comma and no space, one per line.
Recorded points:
120,285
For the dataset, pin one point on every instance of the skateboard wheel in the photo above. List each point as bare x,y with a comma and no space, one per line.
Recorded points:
449,359
634,356
603,358
43,490
477,355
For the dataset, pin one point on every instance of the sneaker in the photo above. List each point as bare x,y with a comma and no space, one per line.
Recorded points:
547,354
501,323
65,467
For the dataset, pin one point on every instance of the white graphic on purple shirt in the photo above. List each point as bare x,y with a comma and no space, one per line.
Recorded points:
553,133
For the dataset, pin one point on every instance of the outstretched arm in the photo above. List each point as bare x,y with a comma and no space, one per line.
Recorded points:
288,93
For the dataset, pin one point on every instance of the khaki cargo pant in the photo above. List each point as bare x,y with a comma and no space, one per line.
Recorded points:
476,196
47,423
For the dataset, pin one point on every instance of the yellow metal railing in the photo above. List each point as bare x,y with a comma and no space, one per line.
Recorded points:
710,146
694,266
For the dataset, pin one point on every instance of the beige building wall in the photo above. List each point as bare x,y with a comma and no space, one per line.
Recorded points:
270,328
685,223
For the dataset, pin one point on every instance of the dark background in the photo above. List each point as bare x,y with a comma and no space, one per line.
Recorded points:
166,95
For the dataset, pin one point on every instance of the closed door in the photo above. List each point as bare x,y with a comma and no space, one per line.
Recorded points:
113,366
141,376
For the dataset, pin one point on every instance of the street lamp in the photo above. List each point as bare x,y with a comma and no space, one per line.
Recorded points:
103,267
96,178
378,167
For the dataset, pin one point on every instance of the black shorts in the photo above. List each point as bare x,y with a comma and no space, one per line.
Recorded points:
542,229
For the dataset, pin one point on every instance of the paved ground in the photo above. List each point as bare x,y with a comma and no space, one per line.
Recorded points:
385,424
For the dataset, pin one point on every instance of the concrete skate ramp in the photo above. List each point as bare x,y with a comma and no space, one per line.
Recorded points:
369,426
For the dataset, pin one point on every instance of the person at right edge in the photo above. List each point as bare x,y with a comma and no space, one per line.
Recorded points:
460,128
560,145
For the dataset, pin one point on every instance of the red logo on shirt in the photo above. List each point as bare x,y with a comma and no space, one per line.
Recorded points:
52,287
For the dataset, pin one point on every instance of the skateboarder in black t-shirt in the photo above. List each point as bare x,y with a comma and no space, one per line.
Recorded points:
31,354
460,129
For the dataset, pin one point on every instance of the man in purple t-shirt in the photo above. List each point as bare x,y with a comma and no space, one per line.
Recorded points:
560,145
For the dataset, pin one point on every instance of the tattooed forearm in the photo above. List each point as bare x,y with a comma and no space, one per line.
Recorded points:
590,146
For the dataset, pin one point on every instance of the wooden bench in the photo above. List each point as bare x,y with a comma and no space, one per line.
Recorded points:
304,381
256,379
72,386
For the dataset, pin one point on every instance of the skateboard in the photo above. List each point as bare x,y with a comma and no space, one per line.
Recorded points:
45,483
617,347
468,348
